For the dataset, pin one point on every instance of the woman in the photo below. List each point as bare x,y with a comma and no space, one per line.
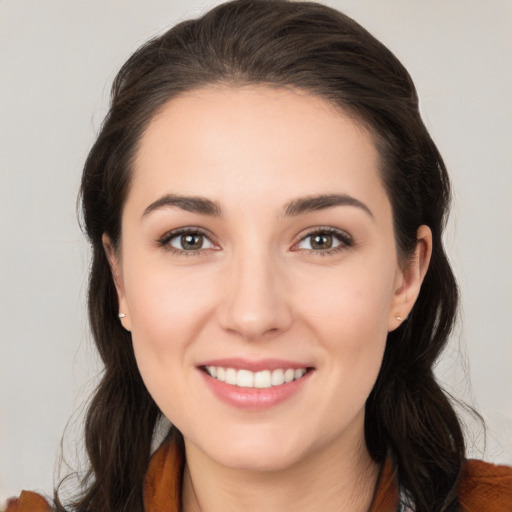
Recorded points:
265,208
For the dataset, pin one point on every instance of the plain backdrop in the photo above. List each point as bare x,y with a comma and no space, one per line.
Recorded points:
57,61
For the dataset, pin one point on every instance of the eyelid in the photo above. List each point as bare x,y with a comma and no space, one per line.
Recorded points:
164,240
345,239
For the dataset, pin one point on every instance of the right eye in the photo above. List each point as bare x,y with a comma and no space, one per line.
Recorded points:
186,241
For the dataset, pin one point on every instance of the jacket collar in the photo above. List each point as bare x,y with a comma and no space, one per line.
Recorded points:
162,485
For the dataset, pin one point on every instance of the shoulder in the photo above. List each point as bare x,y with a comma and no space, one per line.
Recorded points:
485,487
28,502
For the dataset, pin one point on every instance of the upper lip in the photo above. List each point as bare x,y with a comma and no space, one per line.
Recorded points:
254,365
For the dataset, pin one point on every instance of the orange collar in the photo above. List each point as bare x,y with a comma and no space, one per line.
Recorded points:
162,487
483,486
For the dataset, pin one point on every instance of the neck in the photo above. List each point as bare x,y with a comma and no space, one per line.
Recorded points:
329,480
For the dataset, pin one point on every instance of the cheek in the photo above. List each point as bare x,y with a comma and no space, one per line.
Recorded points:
168,310
348,312
353,331
354,301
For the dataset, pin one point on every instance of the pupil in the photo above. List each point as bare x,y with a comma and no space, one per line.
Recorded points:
191,241
321,242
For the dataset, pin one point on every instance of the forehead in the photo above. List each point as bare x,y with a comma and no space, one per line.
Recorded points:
235,144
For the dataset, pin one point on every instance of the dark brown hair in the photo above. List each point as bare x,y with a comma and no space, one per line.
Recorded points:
317,49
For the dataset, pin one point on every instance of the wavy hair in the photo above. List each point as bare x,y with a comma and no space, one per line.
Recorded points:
317,49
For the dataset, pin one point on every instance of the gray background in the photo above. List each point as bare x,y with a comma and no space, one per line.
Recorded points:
57,60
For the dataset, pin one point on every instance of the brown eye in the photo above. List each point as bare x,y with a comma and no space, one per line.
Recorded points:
321,241
325,240
190,241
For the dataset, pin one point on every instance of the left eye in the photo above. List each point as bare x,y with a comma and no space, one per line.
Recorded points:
190,242
323,241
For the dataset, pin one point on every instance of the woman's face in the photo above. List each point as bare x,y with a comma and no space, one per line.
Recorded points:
258,273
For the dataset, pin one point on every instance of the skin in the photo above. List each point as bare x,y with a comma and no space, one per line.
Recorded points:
257,288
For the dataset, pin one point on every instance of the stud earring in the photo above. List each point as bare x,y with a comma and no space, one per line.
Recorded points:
399,318
121,315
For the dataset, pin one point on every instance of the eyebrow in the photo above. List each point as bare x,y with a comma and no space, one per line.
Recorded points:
320,202
299,206
195,204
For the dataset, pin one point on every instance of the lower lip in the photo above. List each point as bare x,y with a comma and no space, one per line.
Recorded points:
254,398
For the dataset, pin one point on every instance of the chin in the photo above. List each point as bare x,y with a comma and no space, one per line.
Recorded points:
260,459
262,449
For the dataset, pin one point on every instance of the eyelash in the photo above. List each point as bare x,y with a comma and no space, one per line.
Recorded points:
344,239
165,240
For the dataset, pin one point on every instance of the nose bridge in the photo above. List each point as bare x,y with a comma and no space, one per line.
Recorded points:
254,299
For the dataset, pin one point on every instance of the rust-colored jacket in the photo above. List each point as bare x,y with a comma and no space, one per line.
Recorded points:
484,487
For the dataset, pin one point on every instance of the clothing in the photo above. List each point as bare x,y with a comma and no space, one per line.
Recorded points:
163,483
484,487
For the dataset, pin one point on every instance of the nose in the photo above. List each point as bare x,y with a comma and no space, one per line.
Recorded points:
255,304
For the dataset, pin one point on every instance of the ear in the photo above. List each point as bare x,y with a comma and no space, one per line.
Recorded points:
410,278
114,261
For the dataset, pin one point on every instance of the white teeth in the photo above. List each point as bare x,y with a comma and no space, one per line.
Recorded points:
277,377
245,379
299,373
231,376
261,380
289,375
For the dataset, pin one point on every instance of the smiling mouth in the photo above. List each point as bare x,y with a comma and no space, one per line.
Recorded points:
259,380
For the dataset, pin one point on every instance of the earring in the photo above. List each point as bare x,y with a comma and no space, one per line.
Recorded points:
121,315
399,318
